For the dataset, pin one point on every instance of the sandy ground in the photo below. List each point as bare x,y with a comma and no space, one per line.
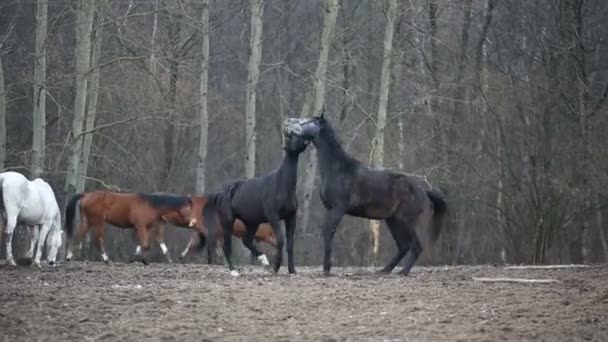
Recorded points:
173,302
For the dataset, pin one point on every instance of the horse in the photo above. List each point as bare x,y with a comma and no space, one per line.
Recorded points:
266,199
263,234
124,210
348,187
31,203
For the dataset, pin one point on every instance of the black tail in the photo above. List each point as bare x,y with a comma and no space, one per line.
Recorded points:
70,212
440,209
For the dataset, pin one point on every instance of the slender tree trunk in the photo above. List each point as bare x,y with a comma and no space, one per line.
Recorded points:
329,23
378,141
152,61
93,93
203,114
174,35
84,25
253,75
2,120
39,119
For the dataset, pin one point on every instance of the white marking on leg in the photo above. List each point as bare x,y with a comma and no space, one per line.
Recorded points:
185,252
234,273
263,259
138,250
105,257
164,248
70,255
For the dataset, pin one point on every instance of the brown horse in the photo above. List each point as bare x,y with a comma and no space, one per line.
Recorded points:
124,210
263,234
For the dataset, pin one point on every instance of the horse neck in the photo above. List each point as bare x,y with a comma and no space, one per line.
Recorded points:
330,152
288,172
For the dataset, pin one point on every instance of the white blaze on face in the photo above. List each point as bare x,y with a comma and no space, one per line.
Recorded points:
164,248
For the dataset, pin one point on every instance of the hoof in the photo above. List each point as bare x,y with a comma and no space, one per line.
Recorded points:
326,273
52,263
12,262
404,274
263,260
234,273
37,264
383,271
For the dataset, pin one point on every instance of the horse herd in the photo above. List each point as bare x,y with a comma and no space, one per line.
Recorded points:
249,209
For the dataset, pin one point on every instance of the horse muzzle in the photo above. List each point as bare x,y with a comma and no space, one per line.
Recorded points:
191,223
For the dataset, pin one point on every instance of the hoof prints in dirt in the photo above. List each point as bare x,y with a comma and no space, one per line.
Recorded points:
121,302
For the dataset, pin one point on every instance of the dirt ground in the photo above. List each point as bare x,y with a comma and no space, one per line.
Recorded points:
173,302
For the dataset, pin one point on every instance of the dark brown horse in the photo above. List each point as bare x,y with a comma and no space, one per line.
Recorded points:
263,234
124,210
348,187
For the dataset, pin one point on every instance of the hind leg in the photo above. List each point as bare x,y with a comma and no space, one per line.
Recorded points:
82,230
99,232
142,248
415,251
44,230
35,232
250,232
11,223
191,242
160,238
402,239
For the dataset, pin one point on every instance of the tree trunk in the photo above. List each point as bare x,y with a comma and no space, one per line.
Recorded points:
378,141
39,119
203,114
2,120
93,93
329,23
253,75
84,25
173,34
152,61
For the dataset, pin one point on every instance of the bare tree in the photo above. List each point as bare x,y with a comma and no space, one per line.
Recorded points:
39,116
92,97
84,26
203,115
329,23
2,115
255,58
378,141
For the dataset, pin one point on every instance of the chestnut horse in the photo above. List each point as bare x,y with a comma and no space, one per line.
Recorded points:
124,210
263,234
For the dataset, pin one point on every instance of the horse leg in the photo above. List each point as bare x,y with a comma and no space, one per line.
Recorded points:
11,223
332,219
99,231
44,231
402,240
160,238
278,232
35,232
227,224
290,226
415,252
250,231
191,242
142,248
82,230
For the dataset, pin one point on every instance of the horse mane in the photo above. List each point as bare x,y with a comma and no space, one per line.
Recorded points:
333,142
164,200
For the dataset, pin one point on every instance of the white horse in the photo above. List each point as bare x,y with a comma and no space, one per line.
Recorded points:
32,204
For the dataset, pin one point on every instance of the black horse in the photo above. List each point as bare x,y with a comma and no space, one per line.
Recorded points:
270,198
349,187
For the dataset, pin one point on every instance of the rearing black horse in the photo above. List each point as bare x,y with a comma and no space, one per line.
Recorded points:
349,187
270,198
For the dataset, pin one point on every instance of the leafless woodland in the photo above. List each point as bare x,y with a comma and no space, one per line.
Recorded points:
501,103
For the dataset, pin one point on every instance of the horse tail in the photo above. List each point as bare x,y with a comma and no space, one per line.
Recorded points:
440,209
70,213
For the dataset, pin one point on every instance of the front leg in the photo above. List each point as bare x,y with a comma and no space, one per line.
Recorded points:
290,226
332,219
273,219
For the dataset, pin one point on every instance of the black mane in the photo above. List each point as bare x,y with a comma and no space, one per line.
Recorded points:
164,200
330,138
